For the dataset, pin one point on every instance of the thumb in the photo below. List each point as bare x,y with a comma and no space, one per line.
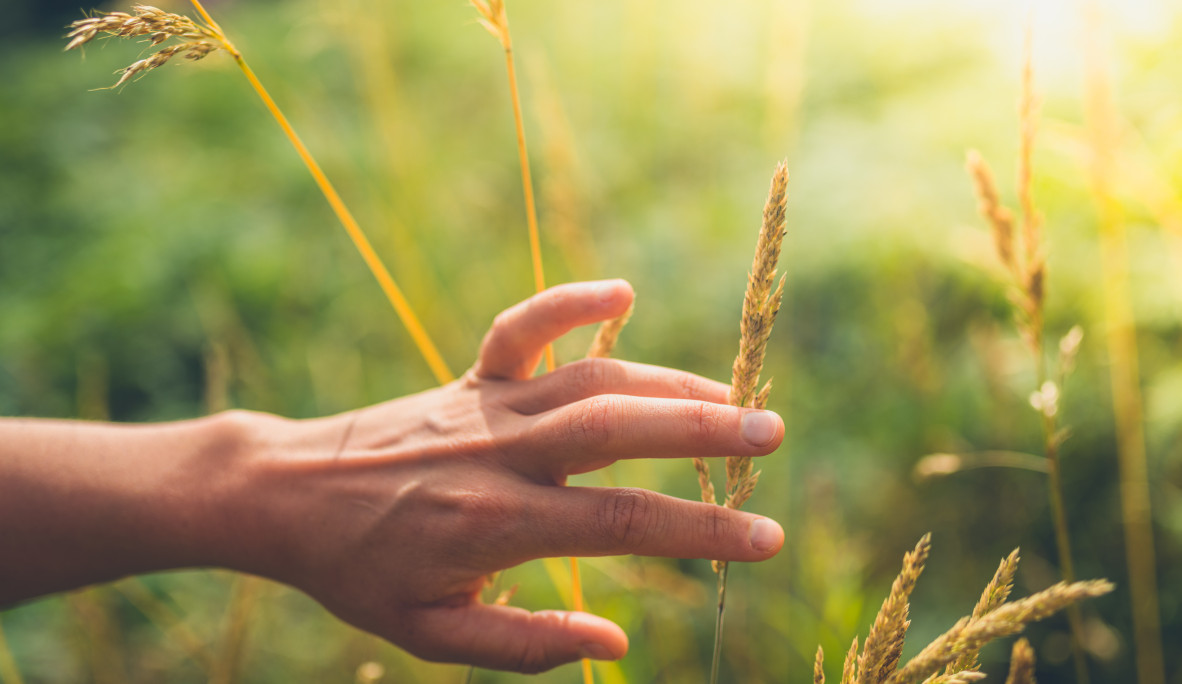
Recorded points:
510,638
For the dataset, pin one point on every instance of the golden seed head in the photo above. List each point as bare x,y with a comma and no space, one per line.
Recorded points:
196,40
849,669
884,643
1021,663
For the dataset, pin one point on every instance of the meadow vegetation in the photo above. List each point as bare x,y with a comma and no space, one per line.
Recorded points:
164,253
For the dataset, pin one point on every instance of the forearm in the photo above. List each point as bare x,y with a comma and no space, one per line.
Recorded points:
82,503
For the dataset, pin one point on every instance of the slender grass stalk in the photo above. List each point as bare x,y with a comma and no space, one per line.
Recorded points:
167,621
1026,263
9,672
97,626
495,19
1121,340
393,293
98,635
761,303
243,599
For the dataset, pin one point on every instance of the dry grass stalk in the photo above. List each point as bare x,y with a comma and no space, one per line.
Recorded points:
196,40
1021,663
818,673
1027,269
1011,618
884,643
1120,333
996,593
9,672
761,303
606,336
153,22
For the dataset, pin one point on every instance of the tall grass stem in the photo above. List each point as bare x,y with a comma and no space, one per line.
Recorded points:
9,672
1121,339
393,293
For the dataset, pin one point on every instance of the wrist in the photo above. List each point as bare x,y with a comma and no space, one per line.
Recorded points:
231,517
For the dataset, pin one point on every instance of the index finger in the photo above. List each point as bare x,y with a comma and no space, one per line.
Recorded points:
513,346
590,377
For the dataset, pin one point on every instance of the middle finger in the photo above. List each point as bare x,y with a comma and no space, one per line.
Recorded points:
599,430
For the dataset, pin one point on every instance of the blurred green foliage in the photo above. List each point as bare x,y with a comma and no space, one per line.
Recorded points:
151,233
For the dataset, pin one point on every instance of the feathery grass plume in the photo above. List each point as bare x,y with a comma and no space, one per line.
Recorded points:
818,672
607,334
1000,219
970,635
196,40
160,26
1027,269
761,302
956,650
884,643
849,669
1021,663
996,593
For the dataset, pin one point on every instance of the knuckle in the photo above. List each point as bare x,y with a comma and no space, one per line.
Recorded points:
715,525
589,375
704,420
593,420
625,518
533,658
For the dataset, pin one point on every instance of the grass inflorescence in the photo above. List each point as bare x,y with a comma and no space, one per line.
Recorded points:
761,303
952,657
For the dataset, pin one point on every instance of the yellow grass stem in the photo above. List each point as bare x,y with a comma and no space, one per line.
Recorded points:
9,673
393,293
244,596
98,636
1121,338
167,621
496,20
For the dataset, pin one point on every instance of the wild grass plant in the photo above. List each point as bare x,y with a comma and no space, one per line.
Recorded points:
952,658
895,347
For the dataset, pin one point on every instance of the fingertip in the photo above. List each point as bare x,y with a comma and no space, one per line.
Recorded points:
601,639
765,536
616,293
761,428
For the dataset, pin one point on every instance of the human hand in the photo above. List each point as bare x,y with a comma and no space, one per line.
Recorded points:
392,516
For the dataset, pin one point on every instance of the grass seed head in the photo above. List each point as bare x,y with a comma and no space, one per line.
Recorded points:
884,643
606,336
849,669
196,41
1021,663
761,303
1008,619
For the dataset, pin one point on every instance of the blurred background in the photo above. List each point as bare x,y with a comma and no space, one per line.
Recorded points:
163,254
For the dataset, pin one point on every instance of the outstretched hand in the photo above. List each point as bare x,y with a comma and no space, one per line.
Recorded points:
396,513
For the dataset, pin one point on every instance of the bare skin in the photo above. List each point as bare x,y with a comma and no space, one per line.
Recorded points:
391,516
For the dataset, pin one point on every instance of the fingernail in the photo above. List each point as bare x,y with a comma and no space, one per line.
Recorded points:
759,428
765,535
606,290
595,652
